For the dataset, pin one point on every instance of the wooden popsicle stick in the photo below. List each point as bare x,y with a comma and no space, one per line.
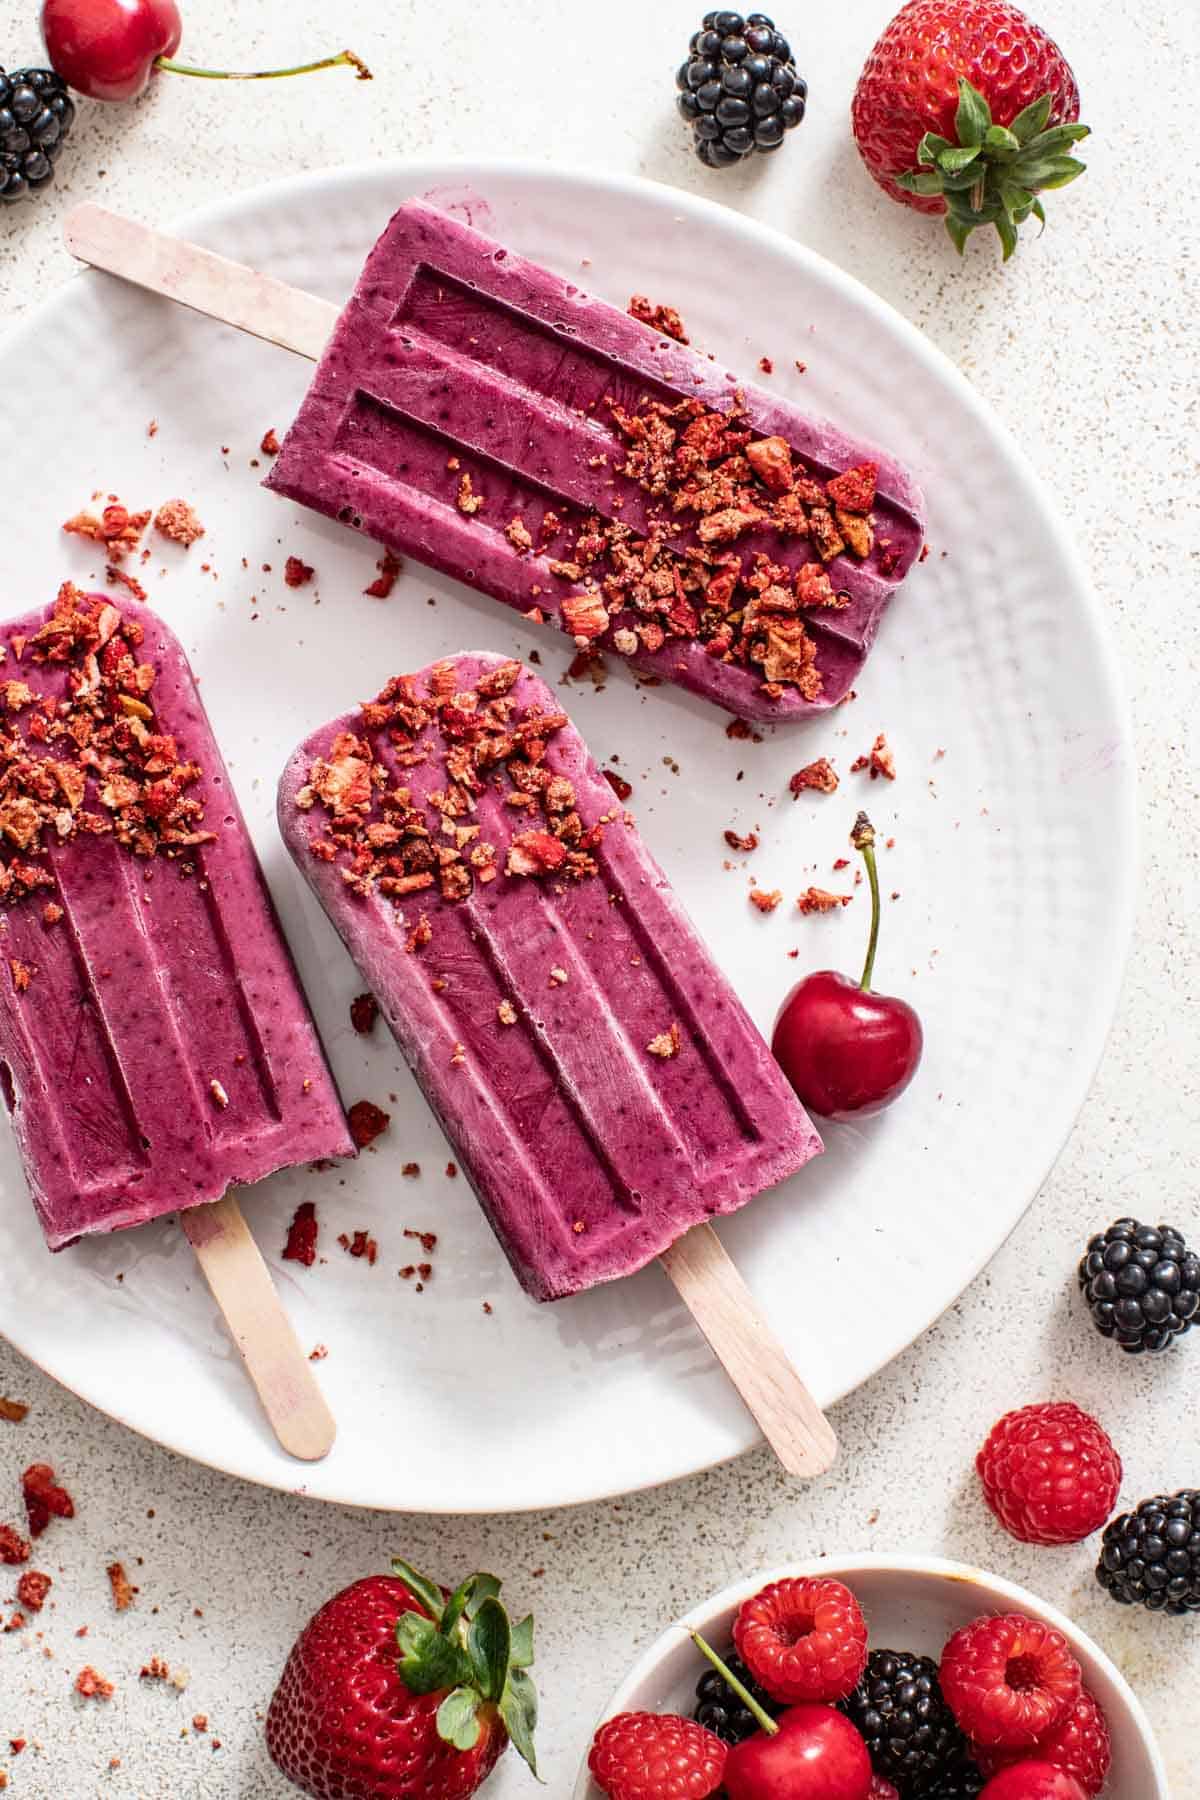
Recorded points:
208,283
757,1364
242,1287
707,1281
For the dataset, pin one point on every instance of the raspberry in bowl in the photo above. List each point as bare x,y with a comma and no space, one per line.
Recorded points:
912,1609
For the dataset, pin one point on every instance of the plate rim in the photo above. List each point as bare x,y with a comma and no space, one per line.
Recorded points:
416,174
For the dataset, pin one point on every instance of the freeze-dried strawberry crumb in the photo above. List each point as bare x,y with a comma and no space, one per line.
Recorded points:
118,529
364,1010
92,1685
179,522
819,775
16,1410
301,1245
297,574
318,1353
820,900
667,1043
361,1244
270,442
451,1170
157,1669
766,901
123,1590
14,1549
749,842
658,317
32,1589
44,1498
426,1239
367,1122
880,760
620,787
389,566
412,1170
855,488
766,365
116,576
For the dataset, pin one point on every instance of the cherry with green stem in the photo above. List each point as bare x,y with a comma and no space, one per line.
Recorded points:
108,49
847,1050
811,1752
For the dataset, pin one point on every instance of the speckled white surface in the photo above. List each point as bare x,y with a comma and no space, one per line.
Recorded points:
1087,347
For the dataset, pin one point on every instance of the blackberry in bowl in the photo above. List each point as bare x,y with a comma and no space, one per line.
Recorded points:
739,89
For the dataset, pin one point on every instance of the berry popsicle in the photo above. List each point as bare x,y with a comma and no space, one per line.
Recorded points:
482,414
155,1046
600,1081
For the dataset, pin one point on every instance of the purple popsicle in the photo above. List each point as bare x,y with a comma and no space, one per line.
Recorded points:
155,1045
602,1085
482,414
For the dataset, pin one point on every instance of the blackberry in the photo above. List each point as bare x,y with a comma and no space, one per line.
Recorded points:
1151,1556
36,114
719,1709
964,1781
739,90
909,1729
1142,1284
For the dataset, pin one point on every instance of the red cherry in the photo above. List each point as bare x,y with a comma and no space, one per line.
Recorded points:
847,1051
1033,1781
816,1754
106,48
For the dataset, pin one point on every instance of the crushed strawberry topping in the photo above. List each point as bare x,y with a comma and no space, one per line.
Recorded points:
32,1589
367,1122
820,900
14,1549
118,529
659,318
722,498
387,842
820,776
98,742
44,1498
92,1685
179,522
301,1245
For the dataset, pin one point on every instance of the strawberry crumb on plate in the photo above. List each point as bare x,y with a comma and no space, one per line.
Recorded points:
766,900
820,900
123,1590
176,520
301,1245
297,574
389,566
819,776
367,1122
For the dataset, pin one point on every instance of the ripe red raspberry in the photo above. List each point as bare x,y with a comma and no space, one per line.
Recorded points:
653,1756
1079,1744
1009,1680
803,1639
1050,1474
1033,1781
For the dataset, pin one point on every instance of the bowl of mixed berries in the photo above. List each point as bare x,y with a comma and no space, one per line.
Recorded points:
881,1678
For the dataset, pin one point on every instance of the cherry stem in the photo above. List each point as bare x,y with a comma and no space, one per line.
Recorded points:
767,1723
170,67
863,839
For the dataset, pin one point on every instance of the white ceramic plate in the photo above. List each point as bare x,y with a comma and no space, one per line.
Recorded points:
1009,932
910,1603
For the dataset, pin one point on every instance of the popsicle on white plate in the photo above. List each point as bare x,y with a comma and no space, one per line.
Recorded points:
484,415
155,1045
601,1083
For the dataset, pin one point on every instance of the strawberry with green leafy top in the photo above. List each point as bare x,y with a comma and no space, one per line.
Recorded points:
967,108
396,1690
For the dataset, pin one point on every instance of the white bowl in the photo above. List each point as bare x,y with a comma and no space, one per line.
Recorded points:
911,1603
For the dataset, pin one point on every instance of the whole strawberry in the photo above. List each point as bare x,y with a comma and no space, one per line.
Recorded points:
967,108
395,1692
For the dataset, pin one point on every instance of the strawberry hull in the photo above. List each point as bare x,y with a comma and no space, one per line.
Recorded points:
456,360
